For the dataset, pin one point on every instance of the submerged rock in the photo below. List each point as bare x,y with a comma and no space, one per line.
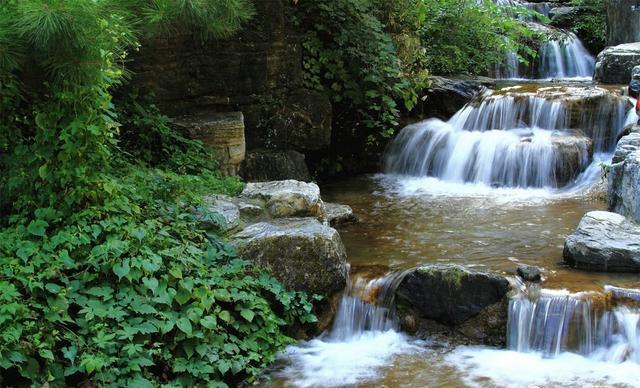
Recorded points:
529,273
615,63
451,300
302,253
624,177
288,198
338,214
269,165
606,242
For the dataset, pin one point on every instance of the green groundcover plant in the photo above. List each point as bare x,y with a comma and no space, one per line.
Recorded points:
106,278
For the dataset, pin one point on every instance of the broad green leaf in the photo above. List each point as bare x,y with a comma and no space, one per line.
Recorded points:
184,325
247,314
38,227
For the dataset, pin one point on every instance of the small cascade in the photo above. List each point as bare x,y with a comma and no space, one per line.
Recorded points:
513,138
366,306
565,58
363,339
597,326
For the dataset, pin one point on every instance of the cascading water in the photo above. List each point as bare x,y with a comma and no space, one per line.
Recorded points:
512,139
364,338
565,58
558,338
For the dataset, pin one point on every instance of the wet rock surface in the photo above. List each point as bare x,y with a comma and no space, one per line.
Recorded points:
605,242
529,273
453,301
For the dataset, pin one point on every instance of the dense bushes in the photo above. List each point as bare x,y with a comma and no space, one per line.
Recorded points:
591,23
105,277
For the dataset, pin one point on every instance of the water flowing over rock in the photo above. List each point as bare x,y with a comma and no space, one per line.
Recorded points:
606,242
302,253
287,198
522,136
586,323
623,25
566,58
615,63
624,177
456,301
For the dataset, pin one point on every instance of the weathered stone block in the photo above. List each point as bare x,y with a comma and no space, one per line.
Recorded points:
615,63
223,133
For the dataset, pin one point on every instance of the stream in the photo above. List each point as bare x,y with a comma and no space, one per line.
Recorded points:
502,183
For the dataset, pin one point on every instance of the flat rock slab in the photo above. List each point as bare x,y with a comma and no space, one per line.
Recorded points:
605,242
338,214
288,198
302,253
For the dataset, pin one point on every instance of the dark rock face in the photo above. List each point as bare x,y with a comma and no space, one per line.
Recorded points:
623,26
604,242
452,300
269,165
563,17
615,63
447,96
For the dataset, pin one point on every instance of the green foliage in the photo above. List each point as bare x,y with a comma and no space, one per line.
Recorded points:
591,23
106,279
483,36
349,56
132,291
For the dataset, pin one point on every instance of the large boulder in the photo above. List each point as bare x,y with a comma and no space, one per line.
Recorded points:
218,212
615,63
270,165
624,177
288,198
623,25
605,242
302,253
456,301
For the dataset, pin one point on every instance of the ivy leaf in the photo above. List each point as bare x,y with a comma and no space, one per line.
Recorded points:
38,228
151,284
121,270
225,316
209,322
247,314
184,325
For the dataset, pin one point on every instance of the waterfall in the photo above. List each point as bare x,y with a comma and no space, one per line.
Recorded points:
363,339
557,322
512,138
565,58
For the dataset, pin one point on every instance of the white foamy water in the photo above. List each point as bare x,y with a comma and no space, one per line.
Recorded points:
324,362
504,368
363,340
